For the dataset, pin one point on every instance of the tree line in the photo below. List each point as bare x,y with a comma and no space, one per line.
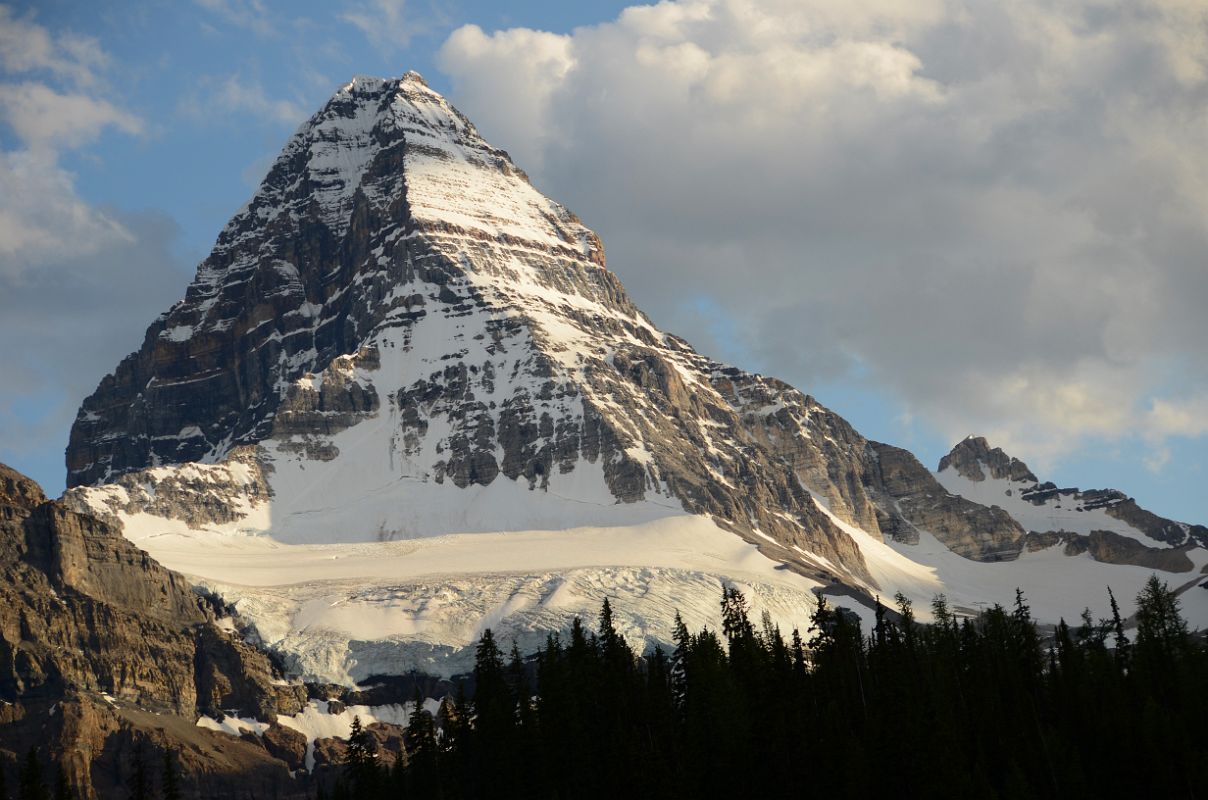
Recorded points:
34,781
968,707
963,707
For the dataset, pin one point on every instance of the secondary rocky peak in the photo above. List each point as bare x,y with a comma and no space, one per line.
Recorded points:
973,453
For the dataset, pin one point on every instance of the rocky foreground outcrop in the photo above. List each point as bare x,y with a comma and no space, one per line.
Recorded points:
106,657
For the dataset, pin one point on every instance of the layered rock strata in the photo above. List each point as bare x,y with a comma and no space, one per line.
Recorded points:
103,651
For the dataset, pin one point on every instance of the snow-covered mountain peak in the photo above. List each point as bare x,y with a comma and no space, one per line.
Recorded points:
401,356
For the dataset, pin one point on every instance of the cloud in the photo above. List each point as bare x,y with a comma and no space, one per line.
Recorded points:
1185,417
383,22
248,14
536,60
995,213
46,119
66,266
26,46
43,220
75,315
237,95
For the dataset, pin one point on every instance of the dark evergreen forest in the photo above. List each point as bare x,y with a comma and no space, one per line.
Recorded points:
983,707
962,708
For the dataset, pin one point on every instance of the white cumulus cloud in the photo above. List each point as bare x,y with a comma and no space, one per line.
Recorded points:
996,213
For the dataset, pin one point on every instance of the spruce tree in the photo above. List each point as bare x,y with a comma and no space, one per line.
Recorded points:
945,620
821,625
613,648
63,787
1161,628
421,729
1092,636
879,636
1026,640
522,693
488,666
908,625
32,784
140,788
735,616
171,778
679,662
361,761
493,707
1123,649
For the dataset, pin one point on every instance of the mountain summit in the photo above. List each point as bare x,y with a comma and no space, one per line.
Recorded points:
407,392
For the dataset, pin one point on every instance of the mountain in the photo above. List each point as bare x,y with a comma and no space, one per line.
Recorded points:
404,399
1104,522
104,654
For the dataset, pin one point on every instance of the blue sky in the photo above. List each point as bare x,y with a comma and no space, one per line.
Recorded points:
939,219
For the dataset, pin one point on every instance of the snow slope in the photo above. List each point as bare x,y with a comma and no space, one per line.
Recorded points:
1063,512
1056,585
347,611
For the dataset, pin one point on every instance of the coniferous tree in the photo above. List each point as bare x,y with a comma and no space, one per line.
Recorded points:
140,787
493,706
421,727
985,710
491,737
1026,641
879,636
735,616
1123,649
1090,635
679,662
361,761
171,777
32,784
799,661
522,694
1162,633
614,649
422,749
63,787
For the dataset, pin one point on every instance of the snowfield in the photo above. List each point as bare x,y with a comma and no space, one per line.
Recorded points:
344,612
1056,585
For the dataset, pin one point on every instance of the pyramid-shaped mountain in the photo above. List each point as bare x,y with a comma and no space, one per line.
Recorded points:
405,398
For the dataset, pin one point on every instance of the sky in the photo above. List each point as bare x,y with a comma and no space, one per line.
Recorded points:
940,218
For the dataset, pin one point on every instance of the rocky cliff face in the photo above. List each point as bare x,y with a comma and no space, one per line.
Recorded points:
973,458
966,528
93,631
